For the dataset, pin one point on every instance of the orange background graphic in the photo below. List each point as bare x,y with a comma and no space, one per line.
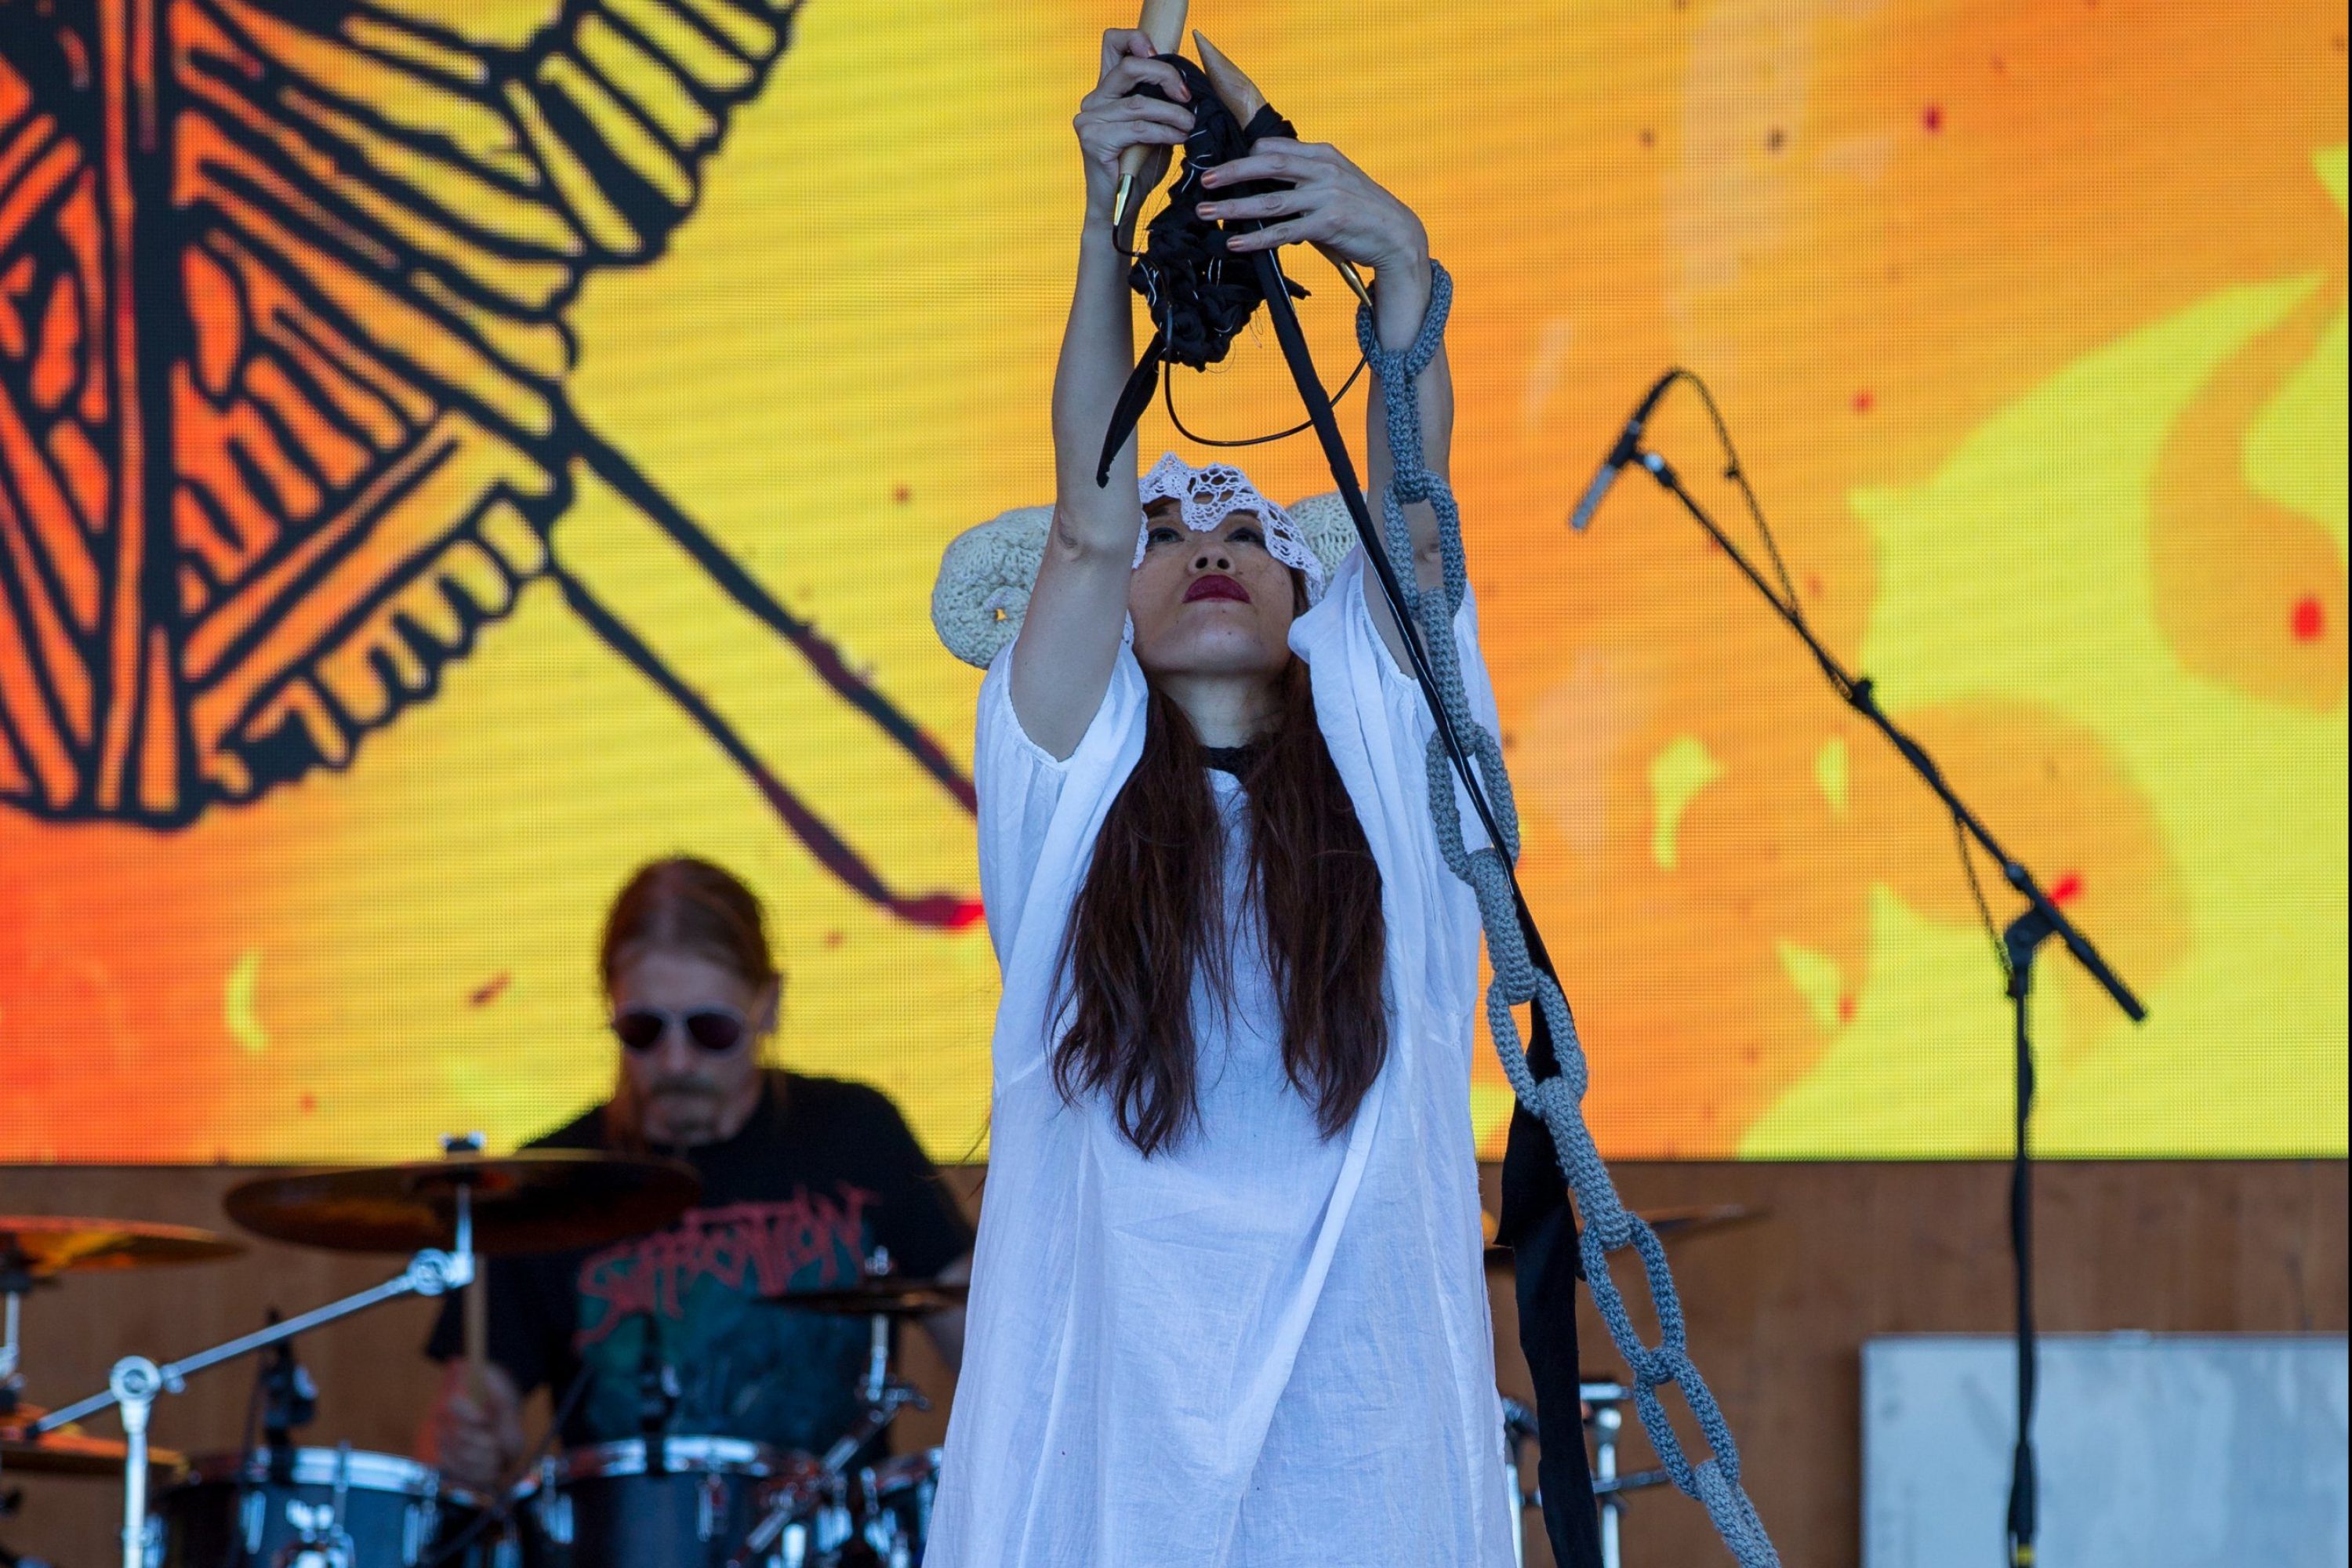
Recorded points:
547,420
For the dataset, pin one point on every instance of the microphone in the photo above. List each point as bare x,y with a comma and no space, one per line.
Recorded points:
1628,447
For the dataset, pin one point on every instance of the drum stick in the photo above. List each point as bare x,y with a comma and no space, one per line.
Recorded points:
477,1310
1163,24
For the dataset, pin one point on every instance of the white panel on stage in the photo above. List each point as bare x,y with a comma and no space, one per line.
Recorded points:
2156,1450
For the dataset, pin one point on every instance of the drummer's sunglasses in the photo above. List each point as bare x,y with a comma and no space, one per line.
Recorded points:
714,1029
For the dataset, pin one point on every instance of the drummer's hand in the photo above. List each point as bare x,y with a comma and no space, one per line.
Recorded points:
477,1426
1110,121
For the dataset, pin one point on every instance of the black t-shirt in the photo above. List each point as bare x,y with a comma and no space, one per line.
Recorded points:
822,1173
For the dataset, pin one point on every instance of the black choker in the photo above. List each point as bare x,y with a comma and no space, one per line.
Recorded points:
1235,760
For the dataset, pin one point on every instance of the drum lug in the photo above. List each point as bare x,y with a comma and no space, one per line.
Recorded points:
554,1505
423,1523
710,1508
255,1520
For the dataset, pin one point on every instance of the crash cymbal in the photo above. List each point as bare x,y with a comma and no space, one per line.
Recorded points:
67,1452
47,1245
541,1200
888,1297
1671,1224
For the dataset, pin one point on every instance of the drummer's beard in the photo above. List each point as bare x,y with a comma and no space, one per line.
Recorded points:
683,1111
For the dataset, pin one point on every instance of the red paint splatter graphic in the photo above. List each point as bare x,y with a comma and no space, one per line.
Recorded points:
1932,119
489,989
2068,889
2309,622
1865,400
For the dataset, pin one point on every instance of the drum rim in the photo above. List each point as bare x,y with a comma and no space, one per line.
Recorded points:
908,1470
361,1469
691,1452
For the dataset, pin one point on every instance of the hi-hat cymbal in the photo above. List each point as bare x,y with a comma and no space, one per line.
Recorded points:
47,1245
888,1297
1671,1224
541,1200
67,1452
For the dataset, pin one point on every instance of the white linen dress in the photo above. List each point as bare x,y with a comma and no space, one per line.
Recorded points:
1263,1347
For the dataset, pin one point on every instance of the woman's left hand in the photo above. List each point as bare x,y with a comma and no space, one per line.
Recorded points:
1331,203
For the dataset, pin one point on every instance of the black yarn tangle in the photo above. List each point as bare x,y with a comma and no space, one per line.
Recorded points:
1200,294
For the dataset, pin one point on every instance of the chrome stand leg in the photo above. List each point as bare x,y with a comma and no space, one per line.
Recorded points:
1606,1420
134,1384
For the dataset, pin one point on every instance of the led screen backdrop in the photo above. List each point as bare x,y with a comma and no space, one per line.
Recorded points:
451,452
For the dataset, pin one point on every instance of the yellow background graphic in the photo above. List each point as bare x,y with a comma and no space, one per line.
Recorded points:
2030,320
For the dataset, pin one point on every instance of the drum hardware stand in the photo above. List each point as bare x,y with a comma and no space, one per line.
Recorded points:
1609,1484
17,1282
137,1382
885,1396
1608,1401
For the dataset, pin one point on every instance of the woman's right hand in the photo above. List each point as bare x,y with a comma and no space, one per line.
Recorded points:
1110,121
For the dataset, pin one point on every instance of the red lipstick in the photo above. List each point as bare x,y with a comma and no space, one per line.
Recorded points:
1215,585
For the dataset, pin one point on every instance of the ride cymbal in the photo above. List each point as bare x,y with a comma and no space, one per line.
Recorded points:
541,1200
887,1297
1671,1224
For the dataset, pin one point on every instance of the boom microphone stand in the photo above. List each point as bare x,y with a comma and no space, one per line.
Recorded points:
137,1382
2037,924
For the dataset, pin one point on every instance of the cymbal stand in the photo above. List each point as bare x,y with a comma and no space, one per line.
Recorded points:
17,1282
885,1396
1608,1403
137,1382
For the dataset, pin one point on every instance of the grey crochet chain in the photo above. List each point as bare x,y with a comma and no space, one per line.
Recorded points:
1608,1225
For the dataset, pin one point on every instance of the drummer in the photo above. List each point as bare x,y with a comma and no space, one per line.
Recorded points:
804,1178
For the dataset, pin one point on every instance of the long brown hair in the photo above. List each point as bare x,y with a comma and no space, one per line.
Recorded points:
680,904
1151,917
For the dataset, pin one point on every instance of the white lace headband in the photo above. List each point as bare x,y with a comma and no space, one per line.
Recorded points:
987,572
1209,495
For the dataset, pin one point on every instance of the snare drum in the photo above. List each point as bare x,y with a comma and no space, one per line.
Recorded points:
604,1507
327,1508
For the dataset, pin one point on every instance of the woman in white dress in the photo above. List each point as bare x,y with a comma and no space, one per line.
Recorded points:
1228,1307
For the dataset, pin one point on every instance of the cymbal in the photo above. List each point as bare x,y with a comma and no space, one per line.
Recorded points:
47,1245
1680,1223
1671,1224
888,1297
541,1200
67,1452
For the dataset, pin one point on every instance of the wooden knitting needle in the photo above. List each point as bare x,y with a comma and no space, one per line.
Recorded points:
1163,24
1242,97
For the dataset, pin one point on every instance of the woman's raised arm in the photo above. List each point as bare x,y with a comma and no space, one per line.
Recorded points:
1070,638
1339,206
